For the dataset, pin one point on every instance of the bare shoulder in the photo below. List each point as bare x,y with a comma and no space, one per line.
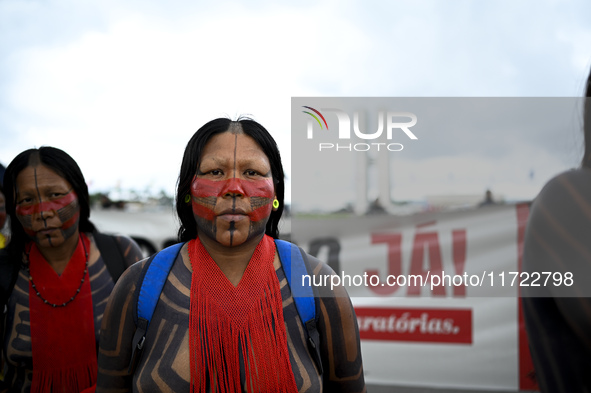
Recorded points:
131,251
340,346
125,241
128,280
567,187
322,282
557,233
126,246
564,201
318,267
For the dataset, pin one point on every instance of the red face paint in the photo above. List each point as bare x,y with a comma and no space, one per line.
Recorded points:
66,208
232,186
205,193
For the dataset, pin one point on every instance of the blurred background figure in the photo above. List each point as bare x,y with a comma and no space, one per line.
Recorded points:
488,199
558,241
57,274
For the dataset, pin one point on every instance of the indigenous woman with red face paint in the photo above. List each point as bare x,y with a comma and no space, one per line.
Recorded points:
226,320
61,283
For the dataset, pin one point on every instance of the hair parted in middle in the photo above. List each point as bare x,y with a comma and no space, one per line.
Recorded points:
192,160
65,166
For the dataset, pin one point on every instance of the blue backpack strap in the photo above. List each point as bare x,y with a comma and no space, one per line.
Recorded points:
294,266
148,289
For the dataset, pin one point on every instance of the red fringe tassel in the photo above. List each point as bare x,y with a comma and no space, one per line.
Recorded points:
233,325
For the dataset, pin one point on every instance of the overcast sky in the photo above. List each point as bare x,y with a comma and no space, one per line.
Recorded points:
122,85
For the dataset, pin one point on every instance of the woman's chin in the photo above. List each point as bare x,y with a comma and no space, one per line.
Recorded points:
231,239
49,241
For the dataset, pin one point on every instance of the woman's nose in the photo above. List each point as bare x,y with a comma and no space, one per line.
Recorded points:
43,210
233,187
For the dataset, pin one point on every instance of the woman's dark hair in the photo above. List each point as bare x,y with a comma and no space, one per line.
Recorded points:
587,125
191,161
2,193
65,166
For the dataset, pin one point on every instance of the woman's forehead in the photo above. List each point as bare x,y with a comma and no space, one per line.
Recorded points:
232,145
40,175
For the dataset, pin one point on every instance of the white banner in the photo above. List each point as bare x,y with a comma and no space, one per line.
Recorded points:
459,327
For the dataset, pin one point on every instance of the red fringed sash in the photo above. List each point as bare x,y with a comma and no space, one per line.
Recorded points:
233,325
62,338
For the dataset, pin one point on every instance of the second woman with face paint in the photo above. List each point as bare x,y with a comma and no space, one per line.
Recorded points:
60,283
226,319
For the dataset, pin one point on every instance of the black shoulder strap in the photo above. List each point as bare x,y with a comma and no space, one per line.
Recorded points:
111,253
141,326
8,276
